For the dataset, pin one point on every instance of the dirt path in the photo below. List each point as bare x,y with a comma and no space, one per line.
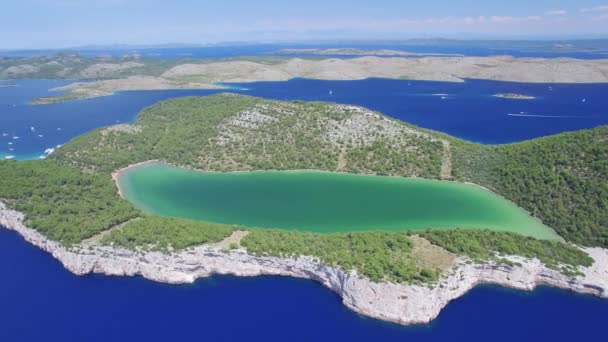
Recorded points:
96,239
446,161
234,239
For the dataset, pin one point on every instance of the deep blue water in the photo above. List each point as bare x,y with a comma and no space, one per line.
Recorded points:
60,122
40,301
468,110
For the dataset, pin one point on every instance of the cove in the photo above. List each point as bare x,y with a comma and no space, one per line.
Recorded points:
321,201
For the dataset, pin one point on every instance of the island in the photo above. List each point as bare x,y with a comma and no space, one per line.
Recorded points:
514,96
81,203
359,52
111,74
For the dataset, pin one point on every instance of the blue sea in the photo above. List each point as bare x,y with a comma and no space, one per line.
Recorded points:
40,301
581,49
466,110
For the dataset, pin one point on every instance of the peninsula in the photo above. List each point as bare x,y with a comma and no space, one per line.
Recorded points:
70,205
137,73
359,52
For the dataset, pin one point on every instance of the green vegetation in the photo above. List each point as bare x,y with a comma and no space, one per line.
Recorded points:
203,133
482,245
376,255
62,203
380,256
166,233
70,96
561,179
74,66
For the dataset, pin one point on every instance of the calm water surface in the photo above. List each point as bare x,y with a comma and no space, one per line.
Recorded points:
544,49
322,201
466,110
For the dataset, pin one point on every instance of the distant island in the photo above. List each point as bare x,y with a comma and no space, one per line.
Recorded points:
360,52
112,74
514,96
73,205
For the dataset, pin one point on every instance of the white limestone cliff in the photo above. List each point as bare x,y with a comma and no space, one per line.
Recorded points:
404,304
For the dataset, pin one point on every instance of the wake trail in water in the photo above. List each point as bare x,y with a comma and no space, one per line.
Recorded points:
547,116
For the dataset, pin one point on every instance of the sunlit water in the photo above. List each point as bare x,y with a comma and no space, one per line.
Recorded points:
42,301
322,201
466,110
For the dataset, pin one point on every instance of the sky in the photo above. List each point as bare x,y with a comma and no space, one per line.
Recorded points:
26,24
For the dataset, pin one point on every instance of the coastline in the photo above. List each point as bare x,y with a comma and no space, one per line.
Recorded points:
116,174
398,303
196,75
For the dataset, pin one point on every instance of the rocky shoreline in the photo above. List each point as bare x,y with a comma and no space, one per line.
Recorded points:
403,304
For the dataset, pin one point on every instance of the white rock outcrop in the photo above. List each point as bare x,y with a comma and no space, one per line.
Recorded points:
404,304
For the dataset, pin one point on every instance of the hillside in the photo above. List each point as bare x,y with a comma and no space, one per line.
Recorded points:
561,179
70,198
135,72
232,132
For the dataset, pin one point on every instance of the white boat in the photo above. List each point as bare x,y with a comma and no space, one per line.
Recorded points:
9,157
331,92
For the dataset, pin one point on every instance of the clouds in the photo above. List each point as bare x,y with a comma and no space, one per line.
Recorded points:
594,9
556,12
82,22
599,13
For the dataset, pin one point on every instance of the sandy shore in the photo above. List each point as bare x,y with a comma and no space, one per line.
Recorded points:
117,173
